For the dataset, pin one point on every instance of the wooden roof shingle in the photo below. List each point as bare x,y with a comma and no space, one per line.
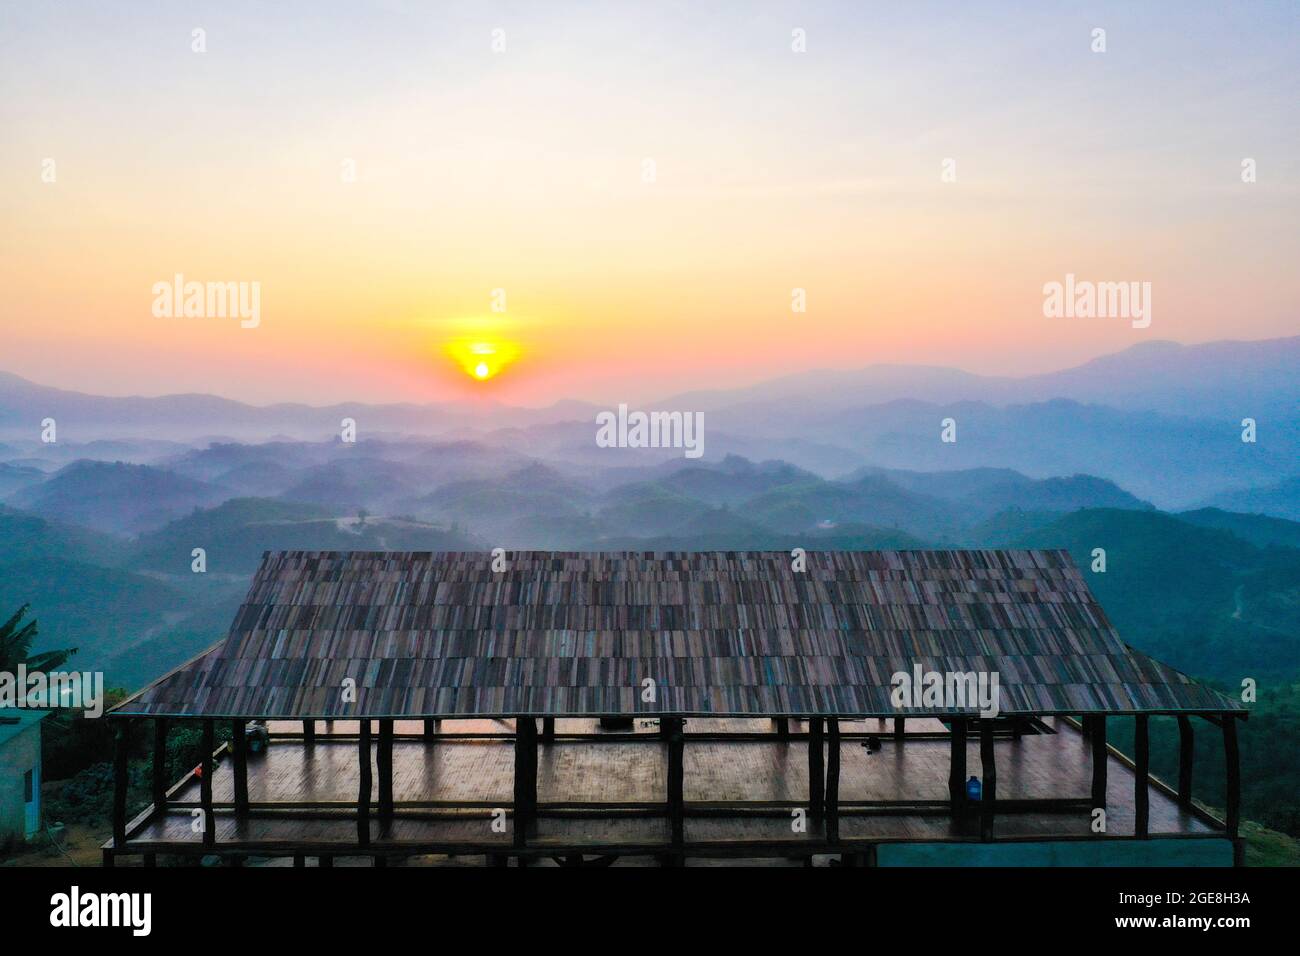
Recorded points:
719,633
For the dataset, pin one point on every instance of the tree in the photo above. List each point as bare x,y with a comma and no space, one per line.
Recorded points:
16,646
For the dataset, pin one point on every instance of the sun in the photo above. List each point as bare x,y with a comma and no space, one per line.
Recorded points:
482,359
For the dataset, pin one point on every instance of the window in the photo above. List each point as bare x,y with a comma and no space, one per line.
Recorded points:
28,787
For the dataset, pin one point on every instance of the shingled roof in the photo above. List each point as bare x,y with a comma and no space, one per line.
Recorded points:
720,633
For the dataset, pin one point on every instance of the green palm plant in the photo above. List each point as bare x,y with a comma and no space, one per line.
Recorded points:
16,645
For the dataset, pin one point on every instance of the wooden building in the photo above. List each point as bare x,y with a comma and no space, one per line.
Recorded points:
425,704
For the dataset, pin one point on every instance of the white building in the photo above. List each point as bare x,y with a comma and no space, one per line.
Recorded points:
20,773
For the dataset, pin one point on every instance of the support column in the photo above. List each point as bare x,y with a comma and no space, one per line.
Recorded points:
1100,758
1141,778
816,767
363,784
1186,758
430,728
525,777
833,781
239,762
159,764
957,766
782,727
205,784
548,730
900,729
989,785
121,762
1232,764
384,759
676,779
309,732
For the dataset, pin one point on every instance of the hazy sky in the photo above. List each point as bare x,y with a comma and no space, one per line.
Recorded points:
524,170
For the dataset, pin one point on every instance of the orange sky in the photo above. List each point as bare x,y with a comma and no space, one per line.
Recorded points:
523,170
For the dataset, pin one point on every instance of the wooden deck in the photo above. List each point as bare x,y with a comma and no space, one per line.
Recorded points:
740,793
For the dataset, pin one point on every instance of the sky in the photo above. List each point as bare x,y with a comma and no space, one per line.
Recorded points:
621,198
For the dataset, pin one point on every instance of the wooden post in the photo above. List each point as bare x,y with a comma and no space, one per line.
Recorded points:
900,724
548,730
363,784
159,764
816,767
239,753
525,776
121,760
309,732
833,781
676,779
430,726
782,727
1141,777
957,766
989,785
205,784
1186,757
299,860
384,759
1100,757
1232,764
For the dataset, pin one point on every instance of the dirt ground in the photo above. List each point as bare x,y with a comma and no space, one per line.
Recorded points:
81,848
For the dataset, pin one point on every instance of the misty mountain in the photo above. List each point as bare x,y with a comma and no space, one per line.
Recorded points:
16,477
24,404
116,497
235,533
985,491
1225,379
1259,530
1280,499
732,480
870,500
1200,599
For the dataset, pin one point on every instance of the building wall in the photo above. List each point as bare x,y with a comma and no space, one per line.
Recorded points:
1165,852
20,753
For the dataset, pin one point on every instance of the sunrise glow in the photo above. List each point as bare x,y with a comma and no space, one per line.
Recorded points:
482,360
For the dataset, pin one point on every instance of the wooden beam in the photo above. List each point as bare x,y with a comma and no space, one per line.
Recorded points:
121,762
205,784
676,779
1232,764
384,761
363,783
548,730
957,766
525,776
239,755
816,767
309,732
159,763
833,781
989,785
1100,758
1141,777
1186,758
